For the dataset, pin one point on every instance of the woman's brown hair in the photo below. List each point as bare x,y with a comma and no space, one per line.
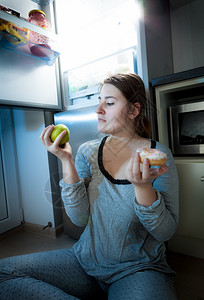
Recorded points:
132,88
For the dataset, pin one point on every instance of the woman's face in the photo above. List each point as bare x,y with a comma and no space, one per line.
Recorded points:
113,112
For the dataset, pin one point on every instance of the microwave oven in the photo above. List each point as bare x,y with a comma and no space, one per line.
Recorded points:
187,128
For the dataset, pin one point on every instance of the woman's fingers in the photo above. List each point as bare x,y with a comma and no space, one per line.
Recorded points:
42,134
159,171
136,165
45,135
59,138
147,174
133,169
146,170
62,152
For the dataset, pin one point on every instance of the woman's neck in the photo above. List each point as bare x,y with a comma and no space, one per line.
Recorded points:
116,139
125,143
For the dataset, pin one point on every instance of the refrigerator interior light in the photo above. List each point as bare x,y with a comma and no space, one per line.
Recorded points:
82,117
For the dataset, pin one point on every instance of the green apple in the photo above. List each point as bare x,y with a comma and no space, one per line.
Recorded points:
57,130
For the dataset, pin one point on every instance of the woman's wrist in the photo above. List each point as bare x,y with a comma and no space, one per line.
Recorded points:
145,194
69,171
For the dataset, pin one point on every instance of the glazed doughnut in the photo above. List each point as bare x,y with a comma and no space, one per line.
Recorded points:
155,156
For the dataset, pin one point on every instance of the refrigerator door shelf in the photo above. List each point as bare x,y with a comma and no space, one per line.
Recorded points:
10,42
14,35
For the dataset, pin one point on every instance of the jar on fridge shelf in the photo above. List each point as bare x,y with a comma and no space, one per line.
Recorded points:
40,43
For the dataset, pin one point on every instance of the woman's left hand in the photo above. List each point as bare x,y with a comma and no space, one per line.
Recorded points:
142,180
138,177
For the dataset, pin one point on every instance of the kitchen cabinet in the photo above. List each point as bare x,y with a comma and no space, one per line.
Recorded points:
191,183
170,90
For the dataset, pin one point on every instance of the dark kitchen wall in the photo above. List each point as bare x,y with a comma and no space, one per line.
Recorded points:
187,29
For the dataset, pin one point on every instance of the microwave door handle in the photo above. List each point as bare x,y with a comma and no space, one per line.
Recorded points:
202,178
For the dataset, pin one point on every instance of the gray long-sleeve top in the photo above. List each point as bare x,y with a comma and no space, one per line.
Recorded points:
121,236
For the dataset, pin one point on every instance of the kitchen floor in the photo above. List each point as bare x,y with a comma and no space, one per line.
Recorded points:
190,270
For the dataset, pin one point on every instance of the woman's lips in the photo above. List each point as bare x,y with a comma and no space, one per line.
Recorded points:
101,120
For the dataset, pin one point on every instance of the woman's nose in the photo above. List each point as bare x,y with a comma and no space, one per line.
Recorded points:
99,109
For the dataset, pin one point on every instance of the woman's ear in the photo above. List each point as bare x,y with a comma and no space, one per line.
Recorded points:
134,111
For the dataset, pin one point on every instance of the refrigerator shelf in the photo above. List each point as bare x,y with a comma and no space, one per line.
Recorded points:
20,42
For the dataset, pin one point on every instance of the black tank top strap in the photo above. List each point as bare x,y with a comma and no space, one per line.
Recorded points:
153,144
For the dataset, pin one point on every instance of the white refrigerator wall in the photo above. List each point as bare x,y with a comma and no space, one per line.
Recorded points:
33,167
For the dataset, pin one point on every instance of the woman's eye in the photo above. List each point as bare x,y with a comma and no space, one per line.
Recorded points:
110,103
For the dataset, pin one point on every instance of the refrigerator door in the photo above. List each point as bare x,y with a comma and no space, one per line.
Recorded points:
82,124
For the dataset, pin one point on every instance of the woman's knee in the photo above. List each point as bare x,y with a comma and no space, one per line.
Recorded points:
143,285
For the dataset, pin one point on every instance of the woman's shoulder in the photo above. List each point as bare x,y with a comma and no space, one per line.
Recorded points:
92,143
162,147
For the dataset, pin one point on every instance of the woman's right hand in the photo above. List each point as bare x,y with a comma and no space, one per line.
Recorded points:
62,152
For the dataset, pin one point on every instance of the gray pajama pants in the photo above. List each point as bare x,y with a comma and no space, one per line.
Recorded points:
57,275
